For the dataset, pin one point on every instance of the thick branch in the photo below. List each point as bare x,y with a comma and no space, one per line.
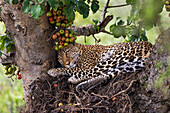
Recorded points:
89,29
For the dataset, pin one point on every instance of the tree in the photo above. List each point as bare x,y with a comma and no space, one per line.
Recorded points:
27,41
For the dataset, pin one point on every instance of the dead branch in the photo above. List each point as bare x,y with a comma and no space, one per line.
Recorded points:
125,89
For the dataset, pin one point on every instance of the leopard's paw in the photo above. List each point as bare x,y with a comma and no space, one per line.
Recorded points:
54,72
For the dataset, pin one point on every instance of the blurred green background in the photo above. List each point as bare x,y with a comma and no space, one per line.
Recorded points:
11,93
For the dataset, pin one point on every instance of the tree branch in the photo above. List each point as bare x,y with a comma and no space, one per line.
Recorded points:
105,11
89,29
118,6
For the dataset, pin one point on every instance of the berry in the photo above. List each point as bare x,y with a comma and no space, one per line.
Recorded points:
6,67
114,98
71,35
66,31
65,21
63,25
10,70
58,33
66,34
60,18
60,104
6,72
73,38
54,36
62,31
67,40
55,17
59,12
58,21
58,24
167,3
65,44
67,25
63,38
54,13
19,77
60,38
56,48
62,110
51,19
17,73
49,14
52,22
55,85
61,43
60,46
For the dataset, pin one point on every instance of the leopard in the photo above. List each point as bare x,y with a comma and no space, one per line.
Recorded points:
87,65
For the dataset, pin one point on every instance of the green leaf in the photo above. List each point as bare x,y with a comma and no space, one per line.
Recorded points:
129,20
83,9
36,11
66,2
15,1
97,28
95,21
69,11
130,1
2,46
118,31
95,6
121,22
54,4
8,1
144,38
0,10
9,48
26,6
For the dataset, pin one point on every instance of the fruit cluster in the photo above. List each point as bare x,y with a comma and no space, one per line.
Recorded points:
63,37
10,69
58,17
167,5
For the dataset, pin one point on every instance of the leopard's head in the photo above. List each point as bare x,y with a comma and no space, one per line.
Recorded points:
68,56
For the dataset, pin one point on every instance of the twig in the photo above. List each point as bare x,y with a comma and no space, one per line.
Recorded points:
104,11
4,54
125,89
118,6
100,95
107,32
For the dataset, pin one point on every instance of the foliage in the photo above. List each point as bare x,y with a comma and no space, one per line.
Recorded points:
11,94
6,42
144,14
36,7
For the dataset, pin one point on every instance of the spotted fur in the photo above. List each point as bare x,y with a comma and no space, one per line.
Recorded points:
89,63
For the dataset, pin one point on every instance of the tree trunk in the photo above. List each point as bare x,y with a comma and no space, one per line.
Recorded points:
35,54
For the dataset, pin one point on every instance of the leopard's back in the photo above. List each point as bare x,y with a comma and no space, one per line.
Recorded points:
87,56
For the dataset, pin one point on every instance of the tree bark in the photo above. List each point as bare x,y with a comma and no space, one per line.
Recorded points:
35,54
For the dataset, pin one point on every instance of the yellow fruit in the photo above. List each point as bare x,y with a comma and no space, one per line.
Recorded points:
60,104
